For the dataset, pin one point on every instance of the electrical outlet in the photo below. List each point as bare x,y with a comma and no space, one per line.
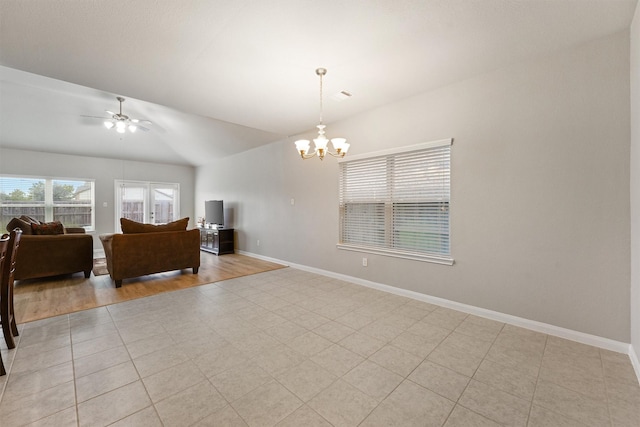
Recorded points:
258,242
364,262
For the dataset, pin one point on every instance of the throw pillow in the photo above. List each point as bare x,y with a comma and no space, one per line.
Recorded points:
29,219
21,224
47,228
132,227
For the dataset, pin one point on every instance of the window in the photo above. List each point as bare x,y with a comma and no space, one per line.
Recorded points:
69,201
397,202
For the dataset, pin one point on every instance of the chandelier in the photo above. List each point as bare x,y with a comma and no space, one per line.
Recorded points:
339,144
120,121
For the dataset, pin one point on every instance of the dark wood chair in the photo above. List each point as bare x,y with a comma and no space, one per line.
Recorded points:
4,244
9,327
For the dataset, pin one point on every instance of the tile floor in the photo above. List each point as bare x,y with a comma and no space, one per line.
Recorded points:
291,348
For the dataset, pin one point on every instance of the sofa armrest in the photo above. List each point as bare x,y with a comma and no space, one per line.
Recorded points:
106,240
107,244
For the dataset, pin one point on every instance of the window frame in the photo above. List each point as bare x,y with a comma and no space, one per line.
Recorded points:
49,205
390,202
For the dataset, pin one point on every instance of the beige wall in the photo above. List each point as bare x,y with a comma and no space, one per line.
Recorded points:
540,191
635,184
104,172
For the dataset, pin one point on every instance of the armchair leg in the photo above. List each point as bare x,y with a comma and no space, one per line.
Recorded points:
87,274
118,283
195,270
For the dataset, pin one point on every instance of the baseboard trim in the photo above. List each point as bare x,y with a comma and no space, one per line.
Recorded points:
581,337
98,253
633,355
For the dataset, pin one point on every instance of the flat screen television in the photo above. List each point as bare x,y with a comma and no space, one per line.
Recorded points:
214,213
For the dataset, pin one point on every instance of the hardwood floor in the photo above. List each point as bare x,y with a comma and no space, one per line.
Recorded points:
37,299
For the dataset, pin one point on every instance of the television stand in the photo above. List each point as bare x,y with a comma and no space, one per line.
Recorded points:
217,241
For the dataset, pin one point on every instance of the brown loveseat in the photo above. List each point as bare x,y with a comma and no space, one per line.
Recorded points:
42,255
144,249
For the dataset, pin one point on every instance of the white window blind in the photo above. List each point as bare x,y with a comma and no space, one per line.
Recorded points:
397,202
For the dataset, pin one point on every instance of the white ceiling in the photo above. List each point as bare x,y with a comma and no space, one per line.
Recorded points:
217,77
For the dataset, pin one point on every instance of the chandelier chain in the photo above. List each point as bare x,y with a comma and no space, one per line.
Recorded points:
321,105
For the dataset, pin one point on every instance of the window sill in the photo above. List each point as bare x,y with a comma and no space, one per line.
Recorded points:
397,254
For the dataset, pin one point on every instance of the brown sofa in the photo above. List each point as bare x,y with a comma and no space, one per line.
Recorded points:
150,249
53,254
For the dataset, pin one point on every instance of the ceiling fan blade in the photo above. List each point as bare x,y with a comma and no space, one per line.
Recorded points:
111,113
95,117
142,128
148,122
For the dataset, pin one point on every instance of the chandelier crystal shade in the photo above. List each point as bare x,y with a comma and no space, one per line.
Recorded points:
340,145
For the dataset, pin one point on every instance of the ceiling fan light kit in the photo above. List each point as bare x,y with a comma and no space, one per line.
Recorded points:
340,145
122,122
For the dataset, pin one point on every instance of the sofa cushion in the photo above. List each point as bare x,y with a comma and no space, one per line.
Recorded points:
23,225
133,227
47,228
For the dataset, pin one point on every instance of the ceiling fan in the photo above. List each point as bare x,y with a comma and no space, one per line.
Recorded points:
122,122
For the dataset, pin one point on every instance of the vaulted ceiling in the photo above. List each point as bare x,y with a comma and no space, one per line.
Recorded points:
217,77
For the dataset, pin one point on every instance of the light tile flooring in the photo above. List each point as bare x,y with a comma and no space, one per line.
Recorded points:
291,348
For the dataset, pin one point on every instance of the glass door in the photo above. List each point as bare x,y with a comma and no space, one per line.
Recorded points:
147,202
164,201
